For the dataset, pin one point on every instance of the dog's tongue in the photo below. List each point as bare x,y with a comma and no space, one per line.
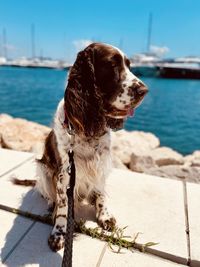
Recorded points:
131,112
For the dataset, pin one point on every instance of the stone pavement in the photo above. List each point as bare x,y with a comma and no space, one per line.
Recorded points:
163,211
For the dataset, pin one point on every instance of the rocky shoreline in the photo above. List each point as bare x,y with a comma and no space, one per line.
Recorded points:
138,151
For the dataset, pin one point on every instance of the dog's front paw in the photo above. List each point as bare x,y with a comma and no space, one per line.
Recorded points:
106,221
56,241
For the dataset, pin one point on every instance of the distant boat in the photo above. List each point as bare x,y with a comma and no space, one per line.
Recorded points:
179,71
178,68
151,65
36,63
144,64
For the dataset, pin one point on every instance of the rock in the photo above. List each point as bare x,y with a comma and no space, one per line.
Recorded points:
188,160
117,163
171,171
166,156
196,163
125,143
191,174
137,150
161,156
4,118
141,163
20,134
193,159
196,154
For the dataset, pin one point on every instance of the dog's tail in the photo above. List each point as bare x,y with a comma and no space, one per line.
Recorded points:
23,182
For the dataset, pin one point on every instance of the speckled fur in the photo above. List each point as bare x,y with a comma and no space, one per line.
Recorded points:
100,86
93,163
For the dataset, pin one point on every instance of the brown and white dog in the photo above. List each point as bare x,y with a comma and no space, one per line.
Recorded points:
101,93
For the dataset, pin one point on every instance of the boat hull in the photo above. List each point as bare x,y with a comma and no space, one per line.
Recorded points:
178,73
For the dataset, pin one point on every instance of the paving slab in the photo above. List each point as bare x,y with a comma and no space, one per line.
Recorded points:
153,206
12,230
21,197
34,251
133,259
27,199
9,159
193,198
144,203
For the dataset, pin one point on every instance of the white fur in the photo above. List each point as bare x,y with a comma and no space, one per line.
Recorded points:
127,82
91,167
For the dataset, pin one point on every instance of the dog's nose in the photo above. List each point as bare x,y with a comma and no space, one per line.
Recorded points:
140,89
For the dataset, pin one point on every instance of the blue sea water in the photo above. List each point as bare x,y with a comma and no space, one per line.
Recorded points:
171,110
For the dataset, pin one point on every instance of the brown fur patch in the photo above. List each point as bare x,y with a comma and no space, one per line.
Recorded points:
51,157
24,182
95,81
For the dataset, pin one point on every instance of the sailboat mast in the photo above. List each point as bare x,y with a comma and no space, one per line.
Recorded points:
149,32
5,43
33,40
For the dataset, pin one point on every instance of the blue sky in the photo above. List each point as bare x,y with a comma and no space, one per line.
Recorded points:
62,26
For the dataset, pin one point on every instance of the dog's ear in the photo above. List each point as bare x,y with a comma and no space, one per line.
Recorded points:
83,99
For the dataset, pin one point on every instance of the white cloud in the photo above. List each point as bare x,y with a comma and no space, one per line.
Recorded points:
81,44
159,50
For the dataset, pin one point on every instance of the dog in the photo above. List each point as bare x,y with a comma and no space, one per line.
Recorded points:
101,93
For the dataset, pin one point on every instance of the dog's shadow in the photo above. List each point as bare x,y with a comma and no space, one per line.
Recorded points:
27,240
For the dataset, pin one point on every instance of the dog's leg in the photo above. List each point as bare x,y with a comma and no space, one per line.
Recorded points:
104,218
57,237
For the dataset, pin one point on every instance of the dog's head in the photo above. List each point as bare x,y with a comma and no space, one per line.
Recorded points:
101,90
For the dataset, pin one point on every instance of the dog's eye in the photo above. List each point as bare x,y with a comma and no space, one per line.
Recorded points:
117,59
112,63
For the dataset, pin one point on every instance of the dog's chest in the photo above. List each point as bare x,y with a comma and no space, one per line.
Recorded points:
92,156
